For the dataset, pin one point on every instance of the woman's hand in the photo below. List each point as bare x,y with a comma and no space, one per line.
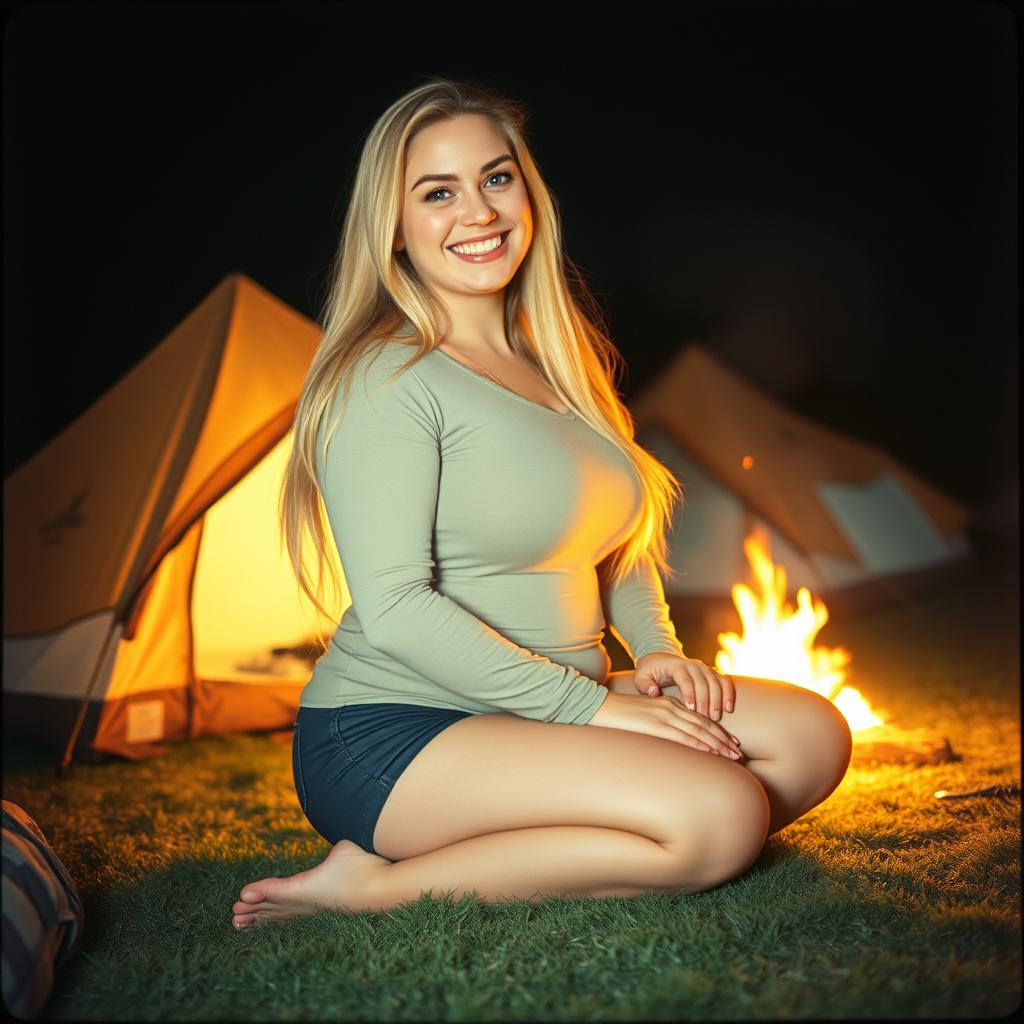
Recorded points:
703,689
665,717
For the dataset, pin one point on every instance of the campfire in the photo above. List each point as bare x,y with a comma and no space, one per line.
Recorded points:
778,643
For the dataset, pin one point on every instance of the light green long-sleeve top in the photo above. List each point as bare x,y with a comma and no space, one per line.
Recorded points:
472,524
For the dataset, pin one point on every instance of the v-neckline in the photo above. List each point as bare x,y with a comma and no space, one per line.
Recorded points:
569,414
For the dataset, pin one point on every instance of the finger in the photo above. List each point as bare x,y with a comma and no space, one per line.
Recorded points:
721,737
685,686
728,691
703,731
714,694
692,734
685,739
700,688
644,684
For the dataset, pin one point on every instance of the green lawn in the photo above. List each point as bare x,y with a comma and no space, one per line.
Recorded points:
883,902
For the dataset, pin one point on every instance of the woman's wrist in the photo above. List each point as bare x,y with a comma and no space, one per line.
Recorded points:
657,654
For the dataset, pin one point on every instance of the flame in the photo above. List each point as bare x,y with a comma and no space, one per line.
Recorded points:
778,642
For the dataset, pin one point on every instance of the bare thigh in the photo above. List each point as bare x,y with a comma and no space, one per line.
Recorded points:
495,772
776,720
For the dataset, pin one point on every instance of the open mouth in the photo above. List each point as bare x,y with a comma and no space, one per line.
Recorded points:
493,250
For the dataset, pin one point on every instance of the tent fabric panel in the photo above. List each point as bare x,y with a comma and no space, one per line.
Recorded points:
88,499
159,656
222,708
245,594
838,572
720,418
237,464
105,730
885,525
48,721
706,543
778,484
61,664
950,517
226,707
125,724
267,350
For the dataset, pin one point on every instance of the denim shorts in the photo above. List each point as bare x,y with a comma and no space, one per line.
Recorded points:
346,760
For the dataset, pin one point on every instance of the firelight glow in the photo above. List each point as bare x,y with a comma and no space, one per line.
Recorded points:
778,643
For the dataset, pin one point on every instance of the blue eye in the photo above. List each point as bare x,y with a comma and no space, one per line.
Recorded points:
496,174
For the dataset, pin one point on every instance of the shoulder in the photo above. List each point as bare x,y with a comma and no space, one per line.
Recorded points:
377,397
383,381
382,363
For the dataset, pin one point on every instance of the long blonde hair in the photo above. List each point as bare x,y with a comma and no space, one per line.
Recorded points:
375,290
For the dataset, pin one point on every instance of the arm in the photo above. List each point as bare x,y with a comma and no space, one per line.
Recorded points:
380,484
636,610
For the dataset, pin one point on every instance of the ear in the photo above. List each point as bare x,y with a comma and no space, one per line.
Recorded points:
399,243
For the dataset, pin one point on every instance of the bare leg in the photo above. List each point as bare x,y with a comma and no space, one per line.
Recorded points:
794,741
796,744
585,812
532,864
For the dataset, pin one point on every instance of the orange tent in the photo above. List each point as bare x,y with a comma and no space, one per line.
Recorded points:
843,517
145,584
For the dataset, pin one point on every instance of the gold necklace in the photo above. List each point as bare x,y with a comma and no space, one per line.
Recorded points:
495,379
478,366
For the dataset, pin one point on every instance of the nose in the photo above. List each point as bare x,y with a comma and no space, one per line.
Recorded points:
477,210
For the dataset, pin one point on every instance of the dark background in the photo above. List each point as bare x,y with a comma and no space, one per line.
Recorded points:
822,193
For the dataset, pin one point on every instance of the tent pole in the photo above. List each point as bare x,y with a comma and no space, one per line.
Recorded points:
64,765
192,691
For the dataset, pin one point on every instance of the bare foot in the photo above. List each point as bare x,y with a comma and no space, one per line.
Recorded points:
338,883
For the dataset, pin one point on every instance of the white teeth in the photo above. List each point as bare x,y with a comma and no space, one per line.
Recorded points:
475,248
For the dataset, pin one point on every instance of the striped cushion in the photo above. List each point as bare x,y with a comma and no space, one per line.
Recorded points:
42,914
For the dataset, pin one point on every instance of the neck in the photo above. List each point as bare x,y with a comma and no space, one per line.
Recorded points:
478,327
478,349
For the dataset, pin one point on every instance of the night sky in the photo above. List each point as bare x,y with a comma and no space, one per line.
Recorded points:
824,194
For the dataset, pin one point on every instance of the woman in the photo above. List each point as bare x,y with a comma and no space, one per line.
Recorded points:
492,514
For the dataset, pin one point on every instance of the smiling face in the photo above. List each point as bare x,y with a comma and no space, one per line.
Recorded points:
462,183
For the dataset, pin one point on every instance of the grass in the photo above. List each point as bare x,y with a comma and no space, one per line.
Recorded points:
882,902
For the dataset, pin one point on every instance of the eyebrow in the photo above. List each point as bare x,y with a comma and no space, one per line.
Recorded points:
454,177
